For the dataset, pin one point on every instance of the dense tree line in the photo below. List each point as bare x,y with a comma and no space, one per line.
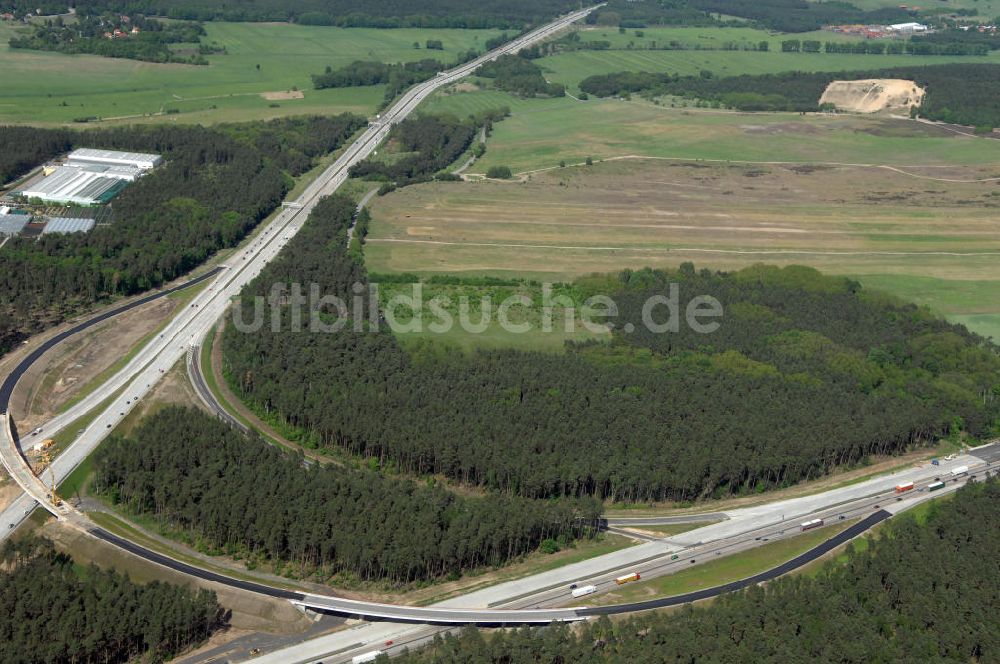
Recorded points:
920,592
59,614
894,47
954,36
396,77
240,495
521,76
89,34
780,15
809,373
345,13
429,143
214,188
629,14
966,94
24,148
294,144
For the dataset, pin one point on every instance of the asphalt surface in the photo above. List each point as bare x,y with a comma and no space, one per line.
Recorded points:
988,453
795,563
626,521
206,395
7,387
191,570
747,528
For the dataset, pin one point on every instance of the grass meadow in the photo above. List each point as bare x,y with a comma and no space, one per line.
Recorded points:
52,88
904,207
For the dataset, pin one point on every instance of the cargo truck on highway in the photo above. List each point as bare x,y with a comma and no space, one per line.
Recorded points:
584,590
628,578
366,657
809,525
959,470
902,488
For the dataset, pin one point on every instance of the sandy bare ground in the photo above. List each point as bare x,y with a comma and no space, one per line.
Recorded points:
63,371
283,95
872,95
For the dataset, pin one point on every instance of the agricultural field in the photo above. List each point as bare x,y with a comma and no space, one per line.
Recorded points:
542,132
904,207
987,9
52,88
572,67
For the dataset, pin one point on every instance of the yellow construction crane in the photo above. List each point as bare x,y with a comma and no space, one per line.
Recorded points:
46,460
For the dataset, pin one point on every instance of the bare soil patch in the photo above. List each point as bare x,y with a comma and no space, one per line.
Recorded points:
283,95
63,371
872,95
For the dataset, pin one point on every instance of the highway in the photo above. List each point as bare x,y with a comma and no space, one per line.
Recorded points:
538,598
864,505
189,327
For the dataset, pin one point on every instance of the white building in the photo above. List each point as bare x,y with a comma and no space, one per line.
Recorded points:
90,177
89,156
907,28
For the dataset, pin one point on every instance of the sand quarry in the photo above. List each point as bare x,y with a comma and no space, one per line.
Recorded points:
872,95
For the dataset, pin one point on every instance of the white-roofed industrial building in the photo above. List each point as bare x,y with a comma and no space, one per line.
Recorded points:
74,185
67,225
140,160
90,177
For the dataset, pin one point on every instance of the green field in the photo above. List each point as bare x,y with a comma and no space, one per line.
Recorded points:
572,67
542,132
988,9
37,84
903,206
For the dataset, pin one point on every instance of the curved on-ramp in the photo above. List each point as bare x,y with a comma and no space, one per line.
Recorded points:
10,382
450,616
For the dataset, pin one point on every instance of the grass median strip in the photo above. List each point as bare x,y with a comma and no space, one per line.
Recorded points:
720,570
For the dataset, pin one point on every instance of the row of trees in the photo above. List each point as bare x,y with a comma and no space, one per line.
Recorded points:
239,495
779,15
345,13
61,614
806,373
87,34
216,185
521,76
872,47
429,143
959,93
920,592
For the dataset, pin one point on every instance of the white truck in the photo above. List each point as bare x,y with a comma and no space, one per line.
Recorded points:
366,657
959,470
584,590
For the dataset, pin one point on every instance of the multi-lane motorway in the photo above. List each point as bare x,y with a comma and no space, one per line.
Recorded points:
532,599
861,505
136,379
